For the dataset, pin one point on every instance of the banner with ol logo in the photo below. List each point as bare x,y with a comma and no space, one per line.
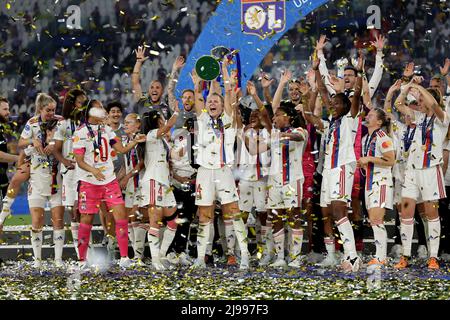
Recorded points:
263,18
250,26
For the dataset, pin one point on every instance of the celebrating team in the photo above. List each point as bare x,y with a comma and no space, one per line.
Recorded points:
166,165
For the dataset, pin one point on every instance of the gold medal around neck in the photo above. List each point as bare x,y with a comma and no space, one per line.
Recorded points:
424,148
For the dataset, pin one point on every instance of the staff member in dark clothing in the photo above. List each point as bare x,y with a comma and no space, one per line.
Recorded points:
153,99
184,173
5,157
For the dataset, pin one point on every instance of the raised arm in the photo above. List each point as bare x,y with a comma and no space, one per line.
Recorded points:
358,88
320,84
366,93
266,82
199,102
378,71
431,102
285,77
173,79
400,104
227,84
135,76
388,100
322,63
252,92
307,110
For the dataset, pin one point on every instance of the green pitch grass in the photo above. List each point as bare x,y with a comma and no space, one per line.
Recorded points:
19,219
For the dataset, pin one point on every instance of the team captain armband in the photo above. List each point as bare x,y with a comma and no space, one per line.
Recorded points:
80,151
113,141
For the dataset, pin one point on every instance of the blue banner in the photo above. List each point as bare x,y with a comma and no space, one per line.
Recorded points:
250,26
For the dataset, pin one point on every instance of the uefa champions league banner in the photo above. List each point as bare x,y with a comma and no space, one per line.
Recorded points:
251,27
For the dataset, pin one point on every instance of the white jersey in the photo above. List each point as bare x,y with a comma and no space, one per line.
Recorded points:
215,141
403,137
181,166
65,131
427,146
339,137
286,156
447,173
157,152
131,161
42,166
374,146
84,141
321,158
253,167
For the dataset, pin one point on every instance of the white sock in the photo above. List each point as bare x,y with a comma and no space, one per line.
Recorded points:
169,235
380,237
269,241
131,234
329,245
111,247
140,232
161,232
90,251
36,243
287,242
434,230
296,243
153,242
347,236
264,239
424,219
240,230
58,240
223,238
278,239
230,236
258,230
74,229
406,232
203,235
6,209
210,239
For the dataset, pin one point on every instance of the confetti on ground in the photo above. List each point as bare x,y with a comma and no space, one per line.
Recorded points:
18,280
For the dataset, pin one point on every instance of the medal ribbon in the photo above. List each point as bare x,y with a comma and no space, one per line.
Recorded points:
408,137
98,143
427,139
369,150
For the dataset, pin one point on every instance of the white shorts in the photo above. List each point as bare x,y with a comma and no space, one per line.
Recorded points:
398,191
284,196
40,191
215,184
337,184
154,193
69,189
424,184
132,196
252,194
398,186
381,196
